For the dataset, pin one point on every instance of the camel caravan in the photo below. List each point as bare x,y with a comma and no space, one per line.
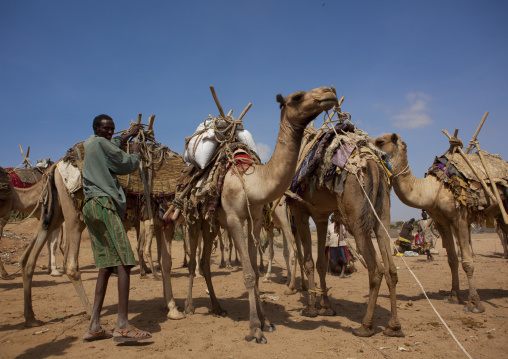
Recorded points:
220,182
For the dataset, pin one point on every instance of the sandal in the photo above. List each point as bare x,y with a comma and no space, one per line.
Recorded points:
130,334
91,336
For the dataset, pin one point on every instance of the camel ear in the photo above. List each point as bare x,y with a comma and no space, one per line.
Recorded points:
280,100
394,138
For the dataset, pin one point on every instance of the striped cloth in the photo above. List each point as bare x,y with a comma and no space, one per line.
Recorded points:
110,245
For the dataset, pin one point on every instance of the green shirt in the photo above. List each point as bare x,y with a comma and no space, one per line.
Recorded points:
103,161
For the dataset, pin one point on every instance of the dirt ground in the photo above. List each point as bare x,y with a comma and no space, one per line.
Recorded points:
204,336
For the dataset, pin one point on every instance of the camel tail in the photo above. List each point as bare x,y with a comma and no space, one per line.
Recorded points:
48,204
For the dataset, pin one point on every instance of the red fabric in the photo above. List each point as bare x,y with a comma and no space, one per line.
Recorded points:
15,180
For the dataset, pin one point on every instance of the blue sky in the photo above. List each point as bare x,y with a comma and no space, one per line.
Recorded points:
410,67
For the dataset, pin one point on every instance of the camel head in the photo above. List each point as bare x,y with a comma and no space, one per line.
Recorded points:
395,148
300,108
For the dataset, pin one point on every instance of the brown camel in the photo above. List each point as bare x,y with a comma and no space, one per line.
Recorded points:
64,209
244,195
438,201
25,200
355,212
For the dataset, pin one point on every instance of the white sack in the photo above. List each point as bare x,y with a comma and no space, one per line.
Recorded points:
70,175
201,148
246,138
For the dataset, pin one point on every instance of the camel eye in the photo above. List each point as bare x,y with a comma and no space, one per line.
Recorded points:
379,143
297,97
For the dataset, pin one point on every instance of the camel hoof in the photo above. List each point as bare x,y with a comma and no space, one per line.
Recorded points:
327,312
394,333
157,279
222,265
31,323
256,337
220,313
267,280
6,276
190,310
310,313
452,300
363,332
269,328
175,314
143,276
197,275
229,266
290,291
55,274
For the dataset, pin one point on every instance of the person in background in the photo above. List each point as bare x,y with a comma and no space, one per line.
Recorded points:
338,254
426,228
406,236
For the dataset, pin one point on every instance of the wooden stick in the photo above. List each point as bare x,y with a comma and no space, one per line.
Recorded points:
150,122
492,183
477,132
230,113
484,185
221,111
244,111
180,196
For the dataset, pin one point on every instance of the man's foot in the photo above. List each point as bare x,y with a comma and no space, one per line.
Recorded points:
130,334
91,336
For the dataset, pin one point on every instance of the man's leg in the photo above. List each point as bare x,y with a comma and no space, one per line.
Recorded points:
124,280
100,293
124,331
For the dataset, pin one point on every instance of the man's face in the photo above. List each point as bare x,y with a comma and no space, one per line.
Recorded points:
105,129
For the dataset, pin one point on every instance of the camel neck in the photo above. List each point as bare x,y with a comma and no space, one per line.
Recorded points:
276,175
415,192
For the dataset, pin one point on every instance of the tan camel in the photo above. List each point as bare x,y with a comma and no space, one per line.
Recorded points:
280,221
244,196
438,201
64,209
356,214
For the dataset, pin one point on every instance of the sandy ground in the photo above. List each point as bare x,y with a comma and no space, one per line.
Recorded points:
204,336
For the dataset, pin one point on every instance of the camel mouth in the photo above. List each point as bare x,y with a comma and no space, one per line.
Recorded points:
328,102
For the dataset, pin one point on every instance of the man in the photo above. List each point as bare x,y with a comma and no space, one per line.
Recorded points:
427,229
103,211
337,247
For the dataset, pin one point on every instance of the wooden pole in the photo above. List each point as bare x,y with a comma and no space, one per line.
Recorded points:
484,185
492,183
473,139
244,112
221,111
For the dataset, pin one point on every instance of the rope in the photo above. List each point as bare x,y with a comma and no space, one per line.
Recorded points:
407,266
319,291
405,170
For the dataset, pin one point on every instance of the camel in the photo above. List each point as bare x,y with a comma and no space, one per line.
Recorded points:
244,195
25,200
354,211
438,201
280,221
64,209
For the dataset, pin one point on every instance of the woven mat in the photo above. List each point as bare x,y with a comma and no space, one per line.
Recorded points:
498,167
5,184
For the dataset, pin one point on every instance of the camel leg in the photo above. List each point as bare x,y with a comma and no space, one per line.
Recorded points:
366,248
27,262
321,267
166,264
3,220
221,245
299,258
453,261
268,274
208,236
235,229
461,230
147,250
303,231
199,268
394,328
501,230
290,257
193,232
141,245
52,245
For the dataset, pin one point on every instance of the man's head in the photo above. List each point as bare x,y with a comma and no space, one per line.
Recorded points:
424,214
104,126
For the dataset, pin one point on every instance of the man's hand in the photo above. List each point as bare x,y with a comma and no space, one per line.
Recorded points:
133,131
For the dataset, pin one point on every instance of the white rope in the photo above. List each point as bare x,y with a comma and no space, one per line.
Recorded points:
405,263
